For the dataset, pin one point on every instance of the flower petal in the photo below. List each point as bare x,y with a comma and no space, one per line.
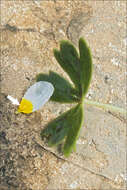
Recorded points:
39,93
25,106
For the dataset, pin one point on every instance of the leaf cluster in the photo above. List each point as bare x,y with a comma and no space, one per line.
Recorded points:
78,66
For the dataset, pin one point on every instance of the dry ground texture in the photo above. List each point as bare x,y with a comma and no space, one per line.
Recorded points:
29,31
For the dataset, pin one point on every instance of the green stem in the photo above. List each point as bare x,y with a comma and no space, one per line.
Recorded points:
106,107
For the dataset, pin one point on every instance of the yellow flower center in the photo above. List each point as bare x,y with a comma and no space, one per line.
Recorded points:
25,106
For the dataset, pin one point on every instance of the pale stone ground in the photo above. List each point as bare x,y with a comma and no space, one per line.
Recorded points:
29,32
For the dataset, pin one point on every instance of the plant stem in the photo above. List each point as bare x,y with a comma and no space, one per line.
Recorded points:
106,106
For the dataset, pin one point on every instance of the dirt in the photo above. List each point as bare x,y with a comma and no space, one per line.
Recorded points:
29,32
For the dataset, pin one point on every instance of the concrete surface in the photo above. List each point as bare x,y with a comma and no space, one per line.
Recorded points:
29,32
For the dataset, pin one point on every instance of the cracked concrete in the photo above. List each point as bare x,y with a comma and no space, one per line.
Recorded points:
29,32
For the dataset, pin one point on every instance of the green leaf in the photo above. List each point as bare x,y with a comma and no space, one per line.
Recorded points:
57,129
68,68
66,126
75,123
85,65
64,92
42,77
70,55
58,137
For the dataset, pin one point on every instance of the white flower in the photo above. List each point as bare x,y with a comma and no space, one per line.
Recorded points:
35,97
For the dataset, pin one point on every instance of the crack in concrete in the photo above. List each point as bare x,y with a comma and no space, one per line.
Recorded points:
74,164
16,29
118,117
